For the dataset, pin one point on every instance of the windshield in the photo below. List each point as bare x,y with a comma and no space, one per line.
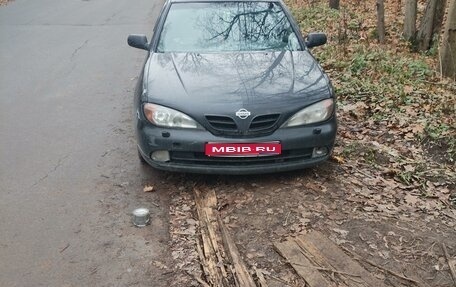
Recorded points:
226,26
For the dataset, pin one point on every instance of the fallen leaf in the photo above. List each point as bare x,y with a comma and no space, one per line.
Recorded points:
342,232
408,89
409,168
159,264
417,129
411,199
148,188
338,159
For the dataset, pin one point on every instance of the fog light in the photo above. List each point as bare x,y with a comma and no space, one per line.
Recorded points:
160,155
319,151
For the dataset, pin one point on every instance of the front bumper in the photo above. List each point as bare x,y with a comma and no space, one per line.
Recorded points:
186,148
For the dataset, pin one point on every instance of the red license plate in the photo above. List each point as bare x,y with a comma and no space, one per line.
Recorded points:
243,149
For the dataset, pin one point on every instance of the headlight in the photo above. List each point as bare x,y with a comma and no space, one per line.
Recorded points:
166,117
315,113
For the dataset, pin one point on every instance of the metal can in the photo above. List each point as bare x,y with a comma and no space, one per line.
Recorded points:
141,217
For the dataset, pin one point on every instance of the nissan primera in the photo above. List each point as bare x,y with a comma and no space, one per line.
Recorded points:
231,87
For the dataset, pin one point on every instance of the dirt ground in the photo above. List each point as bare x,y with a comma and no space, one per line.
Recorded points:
394,229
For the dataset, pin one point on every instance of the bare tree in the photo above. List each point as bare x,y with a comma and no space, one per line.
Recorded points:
381,21
448,44
410,20
334,4
424,35
430,24
438,16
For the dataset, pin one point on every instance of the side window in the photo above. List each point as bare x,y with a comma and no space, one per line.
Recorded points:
293,42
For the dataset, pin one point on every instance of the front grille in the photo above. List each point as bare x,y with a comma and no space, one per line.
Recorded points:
226,126
199,158
263,123
222,123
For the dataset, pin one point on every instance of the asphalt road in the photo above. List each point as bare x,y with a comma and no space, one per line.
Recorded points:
69,176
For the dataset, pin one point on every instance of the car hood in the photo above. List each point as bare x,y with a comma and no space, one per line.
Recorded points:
261,82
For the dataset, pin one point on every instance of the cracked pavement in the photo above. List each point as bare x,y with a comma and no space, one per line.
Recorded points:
69,175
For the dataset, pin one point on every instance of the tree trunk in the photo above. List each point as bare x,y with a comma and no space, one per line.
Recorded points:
381,21
448,44
424,35
410,20
334,4
438,16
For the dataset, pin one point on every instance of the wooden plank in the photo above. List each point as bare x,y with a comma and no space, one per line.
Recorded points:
215,237
261,280
329,255
291,251
451,263
211,259
241,272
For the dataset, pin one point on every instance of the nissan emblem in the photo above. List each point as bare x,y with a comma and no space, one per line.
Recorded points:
243,114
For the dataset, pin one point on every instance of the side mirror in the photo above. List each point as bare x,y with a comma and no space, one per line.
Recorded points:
138,41
315,39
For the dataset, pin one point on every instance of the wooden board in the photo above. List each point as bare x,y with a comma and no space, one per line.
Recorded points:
221,268
291,251
337,259
209,251
243,276
313,255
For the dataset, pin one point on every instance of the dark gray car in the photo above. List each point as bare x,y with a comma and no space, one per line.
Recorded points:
230,87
